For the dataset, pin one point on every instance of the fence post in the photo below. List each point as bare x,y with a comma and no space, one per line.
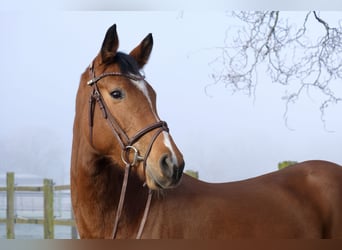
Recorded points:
48,209
73,226
192,173
10,205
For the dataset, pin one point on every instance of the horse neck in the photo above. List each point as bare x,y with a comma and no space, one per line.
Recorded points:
98,179
135,197
108,179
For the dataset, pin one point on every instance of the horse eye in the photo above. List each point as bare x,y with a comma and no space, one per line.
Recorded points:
117,94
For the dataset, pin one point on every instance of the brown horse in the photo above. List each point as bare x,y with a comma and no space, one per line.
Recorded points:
120,144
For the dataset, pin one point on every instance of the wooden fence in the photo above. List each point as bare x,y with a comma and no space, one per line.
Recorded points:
48,219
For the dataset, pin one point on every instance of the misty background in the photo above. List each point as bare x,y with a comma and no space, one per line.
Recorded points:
223,136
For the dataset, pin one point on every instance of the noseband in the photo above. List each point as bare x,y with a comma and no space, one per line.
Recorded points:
126,143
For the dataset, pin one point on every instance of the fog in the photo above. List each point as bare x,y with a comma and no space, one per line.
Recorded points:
223,136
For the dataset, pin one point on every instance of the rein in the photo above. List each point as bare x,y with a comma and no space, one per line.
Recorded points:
126,143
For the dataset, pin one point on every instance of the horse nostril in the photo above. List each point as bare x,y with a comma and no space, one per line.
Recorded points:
170,168
166,165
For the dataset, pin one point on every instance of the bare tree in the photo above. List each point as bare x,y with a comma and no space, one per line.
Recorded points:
304,58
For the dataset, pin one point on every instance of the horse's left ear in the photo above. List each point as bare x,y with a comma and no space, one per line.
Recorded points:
142,52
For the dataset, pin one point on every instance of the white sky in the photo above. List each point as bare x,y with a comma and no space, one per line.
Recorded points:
225,137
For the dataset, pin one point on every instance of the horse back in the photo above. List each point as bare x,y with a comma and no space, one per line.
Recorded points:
319,183
301,201
313,191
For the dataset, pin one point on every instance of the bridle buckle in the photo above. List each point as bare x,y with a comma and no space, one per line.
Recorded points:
125,153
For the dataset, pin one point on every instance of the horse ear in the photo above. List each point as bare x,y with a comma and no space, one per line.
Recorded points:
142,52
110,44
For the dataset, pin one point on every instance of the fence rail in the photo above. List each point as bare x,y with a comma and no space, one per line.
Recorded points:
48,220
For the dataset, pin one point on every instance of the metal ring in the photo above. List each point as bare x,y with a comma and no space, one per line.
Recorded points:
136,157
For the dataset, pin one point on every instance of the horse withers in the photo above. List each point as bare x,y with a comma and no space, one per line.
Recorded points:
126,171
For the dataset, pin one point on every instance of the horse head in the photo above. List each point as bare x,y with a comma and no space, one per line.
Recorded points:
123,120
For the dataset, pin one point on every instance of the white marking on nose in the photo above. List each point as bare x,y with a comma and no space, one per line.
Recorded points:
167,142
141,85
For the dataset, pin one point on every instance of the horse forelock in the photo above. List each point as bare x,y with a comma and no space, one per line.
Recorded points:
126,63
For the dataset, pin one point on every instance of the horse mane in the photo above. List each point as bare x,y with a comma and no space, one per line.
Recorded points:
127,64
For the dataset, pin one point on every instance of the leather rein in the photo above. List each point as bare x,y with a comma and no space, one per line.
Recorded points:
126,143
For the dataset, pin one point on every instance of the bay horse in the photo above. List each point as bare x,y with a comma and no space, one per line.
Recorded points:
126,171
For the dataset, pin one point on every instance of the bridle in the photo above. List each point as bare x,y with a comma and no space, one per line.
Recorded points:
126,143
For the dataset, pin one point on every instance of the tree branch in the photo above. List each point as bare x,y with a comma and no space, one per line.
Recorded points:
293,57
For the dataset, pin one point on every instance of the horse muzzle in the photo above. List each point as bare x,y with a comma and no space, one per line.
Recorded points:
167,175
